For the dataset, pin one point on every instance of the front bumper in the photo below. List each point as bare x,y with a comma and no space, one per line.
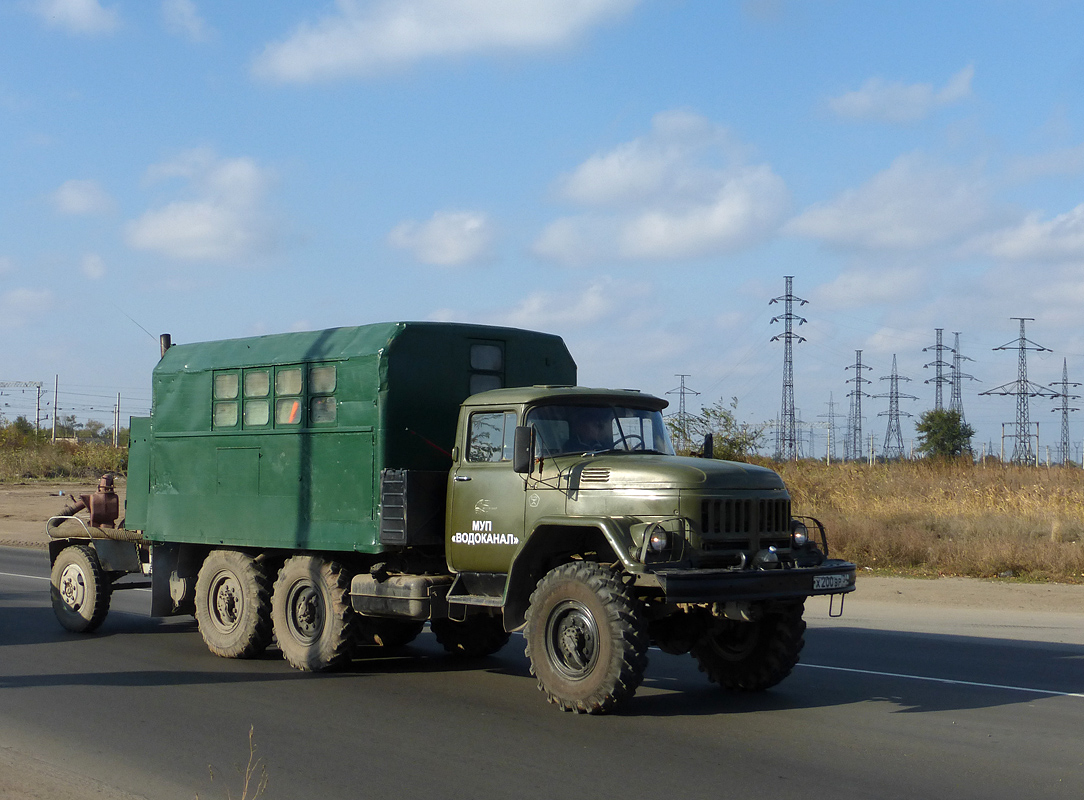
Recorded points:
724,585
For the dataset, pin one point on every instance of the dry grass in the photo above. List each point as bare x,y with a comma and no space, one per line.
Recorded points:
29,456
948,518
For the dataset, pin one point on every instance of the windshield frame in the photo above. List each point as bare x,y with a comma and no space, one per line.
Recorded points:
578,428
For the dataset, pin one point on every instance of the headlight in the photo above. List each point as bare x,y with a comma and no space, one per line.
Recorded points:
657,539
799,534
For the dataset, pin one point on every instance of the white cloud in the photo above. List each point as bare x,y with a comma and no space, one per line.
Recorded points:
93,267
87,17
81,197
574,308
1035,239
882,101
911,205
364,38
679,192
859,288
447,239
225,219
1066,161
183,17
18,306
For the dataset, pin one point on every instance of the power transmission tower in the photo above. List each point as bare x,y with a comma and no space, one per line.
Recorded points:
789,444
832,416
939,364
1064,454
854,429
682,416
893,447
1022,452
27,385
957,402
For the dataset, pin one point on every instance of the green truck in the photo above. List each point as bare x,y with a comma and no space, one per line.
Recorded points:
338,489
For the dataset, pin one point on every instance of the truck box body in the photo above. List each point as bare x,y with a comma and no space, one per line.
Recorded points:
279,441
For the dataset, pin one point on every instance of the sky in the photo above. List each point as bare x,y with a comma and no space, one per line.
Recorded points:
636,176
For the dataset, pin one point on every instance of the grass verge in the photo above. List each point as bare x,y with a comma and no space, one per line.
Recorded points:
948,518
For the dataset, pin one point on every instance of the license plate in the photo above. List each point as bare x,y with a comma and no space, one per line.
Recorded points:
823,582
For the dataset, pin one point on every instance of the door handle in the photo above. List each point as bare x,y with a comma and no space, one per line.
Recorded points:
461,478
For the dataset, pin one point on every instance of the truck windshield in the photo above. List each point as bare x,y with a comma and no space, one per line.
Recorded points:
598,428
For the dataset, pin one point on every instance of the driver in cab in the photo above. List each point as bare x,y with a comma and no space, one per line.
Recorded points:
590,430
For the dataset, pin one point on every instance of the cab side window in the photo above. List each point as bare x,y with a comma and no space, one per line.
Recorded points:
490,436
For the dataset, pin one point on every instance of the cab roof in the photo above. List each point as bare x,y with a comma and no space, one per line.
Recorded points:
566,395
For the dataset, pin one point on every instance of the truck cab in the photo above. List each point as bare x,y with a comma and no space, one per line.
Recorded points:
585,482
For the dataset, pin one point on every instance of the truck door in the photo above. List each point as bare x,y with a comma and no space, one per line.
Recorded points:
486,498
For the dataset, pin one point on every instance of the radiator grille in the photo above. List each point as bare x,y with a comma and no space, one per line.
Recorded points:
745,517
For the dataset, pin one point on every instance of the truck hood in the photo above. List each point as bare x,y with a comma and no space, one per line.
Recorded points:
612,471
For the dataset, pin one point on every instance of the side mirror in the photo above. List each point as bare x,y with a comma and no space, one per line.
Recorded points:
523,450
709,446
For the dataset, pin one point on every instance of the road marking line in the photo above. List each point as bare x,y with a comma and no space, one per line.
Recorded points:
946,680
39,578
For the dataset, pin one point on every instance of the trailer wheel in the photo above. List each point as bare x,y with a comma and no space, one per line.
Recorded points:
310,609
233,604
477,636
390,633
80,589
752,656
586,638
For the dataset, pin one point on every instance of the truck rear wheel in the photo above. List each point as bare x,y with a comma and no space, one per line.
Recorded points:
477,636
80,589
233,604
311,612
752,656
586,638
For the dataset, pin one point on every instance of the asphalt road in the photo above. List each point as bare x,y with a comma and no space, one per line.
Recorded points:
874,711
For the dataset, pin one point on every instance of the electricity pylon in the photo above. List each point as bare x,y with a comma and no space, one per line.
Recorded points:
893,446
789,444
1022,452
854,446
1064,453
939,365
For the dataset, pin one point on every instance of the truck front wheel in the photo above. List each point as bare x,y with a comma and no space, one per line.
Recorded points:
586,638
80,589
233,604
310,609
752,656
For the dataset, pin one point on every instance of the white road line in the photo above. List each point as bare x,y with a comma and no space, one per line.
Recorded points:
945,680
39,578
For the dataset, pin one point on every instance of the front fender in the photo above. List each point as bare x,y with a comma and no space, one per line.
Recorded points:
552,541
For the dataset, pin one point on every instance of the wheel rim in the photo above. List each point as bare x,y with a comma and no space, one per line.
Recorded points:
73,587
305,612
572,640
227,601
736,641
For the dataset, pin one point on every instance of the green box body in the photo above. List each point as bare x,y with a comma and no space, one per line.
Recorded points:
293,459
